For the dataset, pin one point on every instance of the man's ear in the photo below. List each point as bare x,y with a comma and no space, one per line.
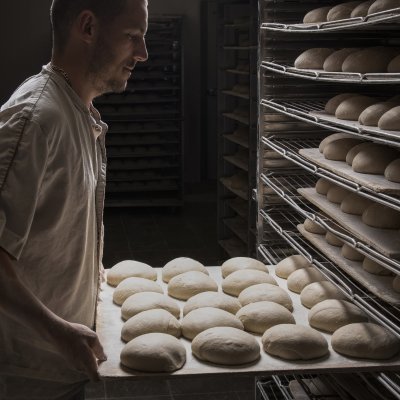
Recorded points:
86,26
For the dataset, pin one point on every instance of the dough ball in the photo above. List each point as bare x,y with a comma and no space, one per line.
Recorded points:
351,108
342,11
338,149
126,269
336,194
290,264
383,5
143,301
390,121
312,58
369,60
204,318
374,159
154,352
316,15
188,284
258,317
332,314
355,204
212,299
362,9
317,292
179,266
239,263
375,268
313,227
365,340
394,65
239,280
333,103
333,240
294,342
322,186
355,150
381,217
350,253
371,115
332,138
396,284
299,279
226,346
265,292
150,321
392,171
130,286
333,63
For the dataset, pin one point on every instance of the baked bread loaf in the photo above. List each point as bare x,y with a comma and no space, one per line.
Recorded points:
333,63
374,159
332,138
392,171
322,186
313,58
390,121
355,204
316,15
350,253
317,292
290,264
351,108
383,5
333,103
371,115
362,9
336,194
375,268
342,11
337,150
381,217
370,60
394,65
333,240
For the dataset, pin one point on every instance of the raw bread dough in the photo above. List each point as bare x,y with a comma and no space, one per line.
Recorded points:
299,279
350,253
130,286
212,299
239,280
260,316
332,138
150,321
204,318
390,121
355,150
188,284
333,103
333,63
290,264
392,171
375,268
265,292
355,204
333,240
365,340
179,266
362,9
371,115
332,314
342,10
383,5
226,346
128,268
338,149
294,342
374,159
240,263
313,58
351,108
382,217
322,186
316,15
313,227
143,301
316,292
154,352
336,194
396,284
369,60
394,65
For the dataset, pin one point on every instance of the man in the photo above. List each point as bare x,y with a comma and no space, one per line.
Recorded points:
52,182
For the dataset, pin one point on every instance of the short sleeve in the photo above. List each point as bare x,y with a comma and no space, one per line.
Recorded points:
23,159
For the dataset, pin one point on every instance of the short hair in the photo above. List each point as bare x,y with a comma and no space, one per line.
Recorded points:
64,12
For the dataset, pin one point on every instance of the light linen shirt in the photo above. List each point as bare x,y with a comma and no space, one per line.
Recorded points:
52,185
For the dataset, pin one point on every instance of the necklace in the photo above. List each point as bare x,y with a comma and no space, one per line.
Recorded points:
62,72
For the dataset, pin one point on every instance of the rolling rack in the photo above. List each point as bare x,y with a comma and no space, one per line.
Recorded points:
237,126
145,138
292,123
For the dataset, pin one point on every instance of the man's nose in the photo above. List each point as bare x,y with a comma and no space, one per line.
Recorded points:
141,54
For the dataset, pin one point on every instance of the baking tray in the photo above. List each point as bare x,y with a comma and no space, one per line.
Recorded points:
377,183
380,286
109,325
387,241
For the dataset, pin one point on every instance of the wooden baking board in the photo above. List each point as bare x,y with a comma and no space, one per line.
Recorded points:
380,286
386,241
109,324
377,183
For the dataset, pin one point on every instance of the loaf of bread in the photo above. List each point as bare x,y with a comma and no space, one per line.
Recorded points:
316,15
322,186
313,227
338,149
355,204
383,5
336,194
351,108
355,150
333,63
331,138
392,171
372,114
374,159
342,11
333,103
390,121
333,240
350,253
313,58
362,9
381,217
375,268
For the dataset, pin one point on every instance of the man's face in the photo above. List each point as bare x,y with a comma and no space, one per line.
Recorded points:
119,46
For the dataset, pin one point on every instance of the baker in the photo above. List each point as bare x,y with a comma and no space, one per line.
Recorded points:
52,184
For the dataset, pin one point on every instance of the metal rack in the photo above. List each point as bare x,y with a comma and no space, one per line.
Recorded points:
145,138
